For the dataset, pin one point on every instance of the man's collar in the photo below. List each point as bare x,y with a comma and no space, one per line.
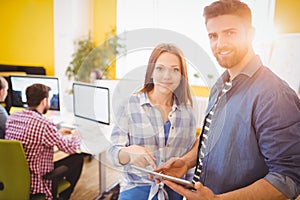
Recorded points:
252,66
34,110
249,70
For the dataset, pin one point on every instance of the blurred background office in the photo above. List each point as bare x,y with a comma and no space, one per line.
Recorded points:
49,29
57,35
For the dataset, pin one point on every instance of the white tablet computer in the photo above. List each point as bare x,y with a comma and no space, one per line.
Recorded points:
184,183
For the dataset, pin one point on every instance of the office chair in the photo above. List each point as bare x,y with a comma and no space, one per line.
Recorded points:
15,175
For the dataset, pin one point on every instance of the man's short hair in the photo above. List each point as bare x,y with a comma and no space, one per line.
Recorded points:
228,7
3,82
36,93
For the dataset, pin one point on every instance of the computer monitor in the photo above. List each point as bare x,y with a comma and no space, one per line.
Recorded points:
18,85
91,102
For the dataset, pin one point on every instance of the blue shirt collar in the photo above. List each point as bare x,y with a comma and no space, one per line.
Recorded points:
249,71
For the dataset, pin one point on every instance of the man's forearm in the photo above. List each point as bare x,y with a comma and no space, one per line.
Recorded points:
261,189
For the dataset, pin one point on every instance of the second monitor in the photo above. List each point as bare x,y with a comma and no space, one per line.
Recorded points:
18,85
91,102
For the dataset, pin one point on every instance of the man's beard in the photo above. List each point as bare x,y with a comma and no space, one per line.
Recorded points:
234,59
45,110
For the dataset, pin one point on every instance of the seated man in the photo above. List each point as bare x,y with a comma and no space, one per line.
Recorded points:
39,136
3,113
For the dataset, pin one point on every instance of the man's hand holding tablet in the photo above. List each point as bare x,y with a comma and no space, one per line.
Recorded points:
184,183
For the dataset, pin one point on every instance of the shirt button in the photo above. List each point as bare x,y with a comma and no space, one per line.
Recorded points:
172,127
170,116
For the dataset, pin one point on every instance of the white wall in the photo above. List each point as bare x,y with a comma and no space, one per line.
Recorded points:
185,18
72,20
181,17
285,59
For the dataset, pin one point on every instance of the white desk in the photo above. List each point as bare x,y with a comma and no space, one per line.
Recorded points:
58,155
94,140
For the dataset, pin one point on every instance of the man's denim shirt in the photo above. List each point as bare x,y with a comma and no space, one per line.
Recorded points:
254,133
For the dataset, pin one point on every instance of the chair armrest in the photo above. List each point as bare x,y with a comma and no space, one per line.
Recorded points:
56,173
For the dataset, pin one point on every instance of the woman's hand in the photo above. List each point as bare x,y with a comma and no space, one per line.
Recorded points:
137,155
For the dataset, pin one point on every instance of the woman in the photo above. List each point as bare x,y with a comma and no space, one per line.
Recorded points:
156,124
3,113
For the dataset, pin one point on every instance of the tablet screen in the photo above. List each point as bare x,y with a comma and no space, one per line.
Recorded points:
184,183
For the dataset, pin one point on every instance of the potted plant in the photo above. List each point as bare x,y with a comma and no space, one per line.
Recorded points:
90,56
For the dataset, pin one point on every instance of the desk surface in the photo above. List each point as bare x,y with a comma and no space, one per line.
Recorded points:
94,140
94,136
58,155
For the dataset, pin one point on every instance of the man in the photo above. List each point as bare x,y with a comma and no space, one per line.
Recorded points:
3,113
38,136
250,144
